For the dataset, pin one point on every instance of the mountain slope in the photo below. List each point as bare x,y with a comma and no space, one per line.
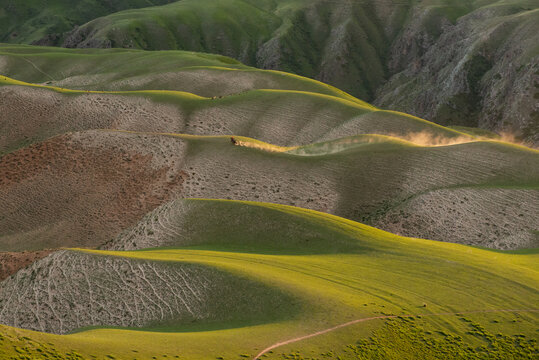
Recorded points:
46,23
486,77
488,81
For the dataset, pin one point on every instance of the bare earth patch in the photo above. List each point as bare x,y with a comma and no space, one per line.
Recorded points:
72,191
11,262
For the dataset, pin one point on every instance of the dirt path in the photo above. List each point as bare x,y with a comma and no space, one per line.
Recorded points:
38,69
321,332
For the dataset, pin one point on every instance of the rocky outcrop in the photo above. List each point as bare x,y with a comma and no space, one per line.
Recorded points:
481,71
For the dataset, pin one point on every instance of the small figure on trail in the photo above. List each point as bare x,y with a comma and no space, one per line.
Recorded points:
234,141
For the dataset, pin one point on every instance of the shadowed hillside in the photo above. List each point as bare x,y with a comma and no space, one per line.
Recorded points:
47,23
118,177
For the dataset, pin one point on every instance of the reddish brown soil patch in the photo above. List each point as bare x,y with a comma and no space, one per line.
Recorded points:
65,192
11,262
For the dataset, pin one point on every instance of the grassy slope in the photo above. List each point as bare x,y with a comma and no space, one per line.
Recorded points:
94,69
289,35
282,117
30,21
360,181
386,274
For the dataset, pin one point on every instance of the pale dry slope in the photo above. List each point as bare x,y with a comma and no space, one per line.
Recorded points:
69,290
507,214
284,118
76,190
118,177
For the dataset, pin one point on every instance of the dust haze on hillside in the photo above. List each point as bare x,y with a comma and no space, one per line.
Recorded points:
506,136
426,138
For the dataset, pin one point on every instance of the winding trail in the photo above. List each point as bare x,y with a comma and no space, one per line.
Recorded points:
325,331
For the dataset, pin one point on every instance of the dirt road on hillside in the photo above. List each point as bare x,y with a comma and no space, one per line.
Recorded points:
325,331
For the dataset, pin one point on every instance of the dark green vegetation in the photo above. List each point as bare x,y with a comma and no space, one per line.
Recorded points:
46,23
14,346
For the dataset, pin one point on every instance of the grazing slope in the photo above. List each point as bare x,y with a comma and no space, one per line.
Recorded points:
282,117
83,191
202,74
366,273
120,176
468,212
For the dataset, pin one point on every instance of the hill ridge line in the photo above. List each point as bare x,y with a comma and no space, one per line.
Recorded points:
350,101
263,145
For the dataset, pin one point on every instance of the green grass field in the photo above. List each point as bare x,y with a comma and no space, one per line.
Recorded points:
30,21
105,69
359,272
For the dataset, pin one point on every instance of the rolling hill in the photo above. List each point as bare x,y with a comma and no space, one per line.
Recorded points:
470,62
120,176
283,117
311,281
179,205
